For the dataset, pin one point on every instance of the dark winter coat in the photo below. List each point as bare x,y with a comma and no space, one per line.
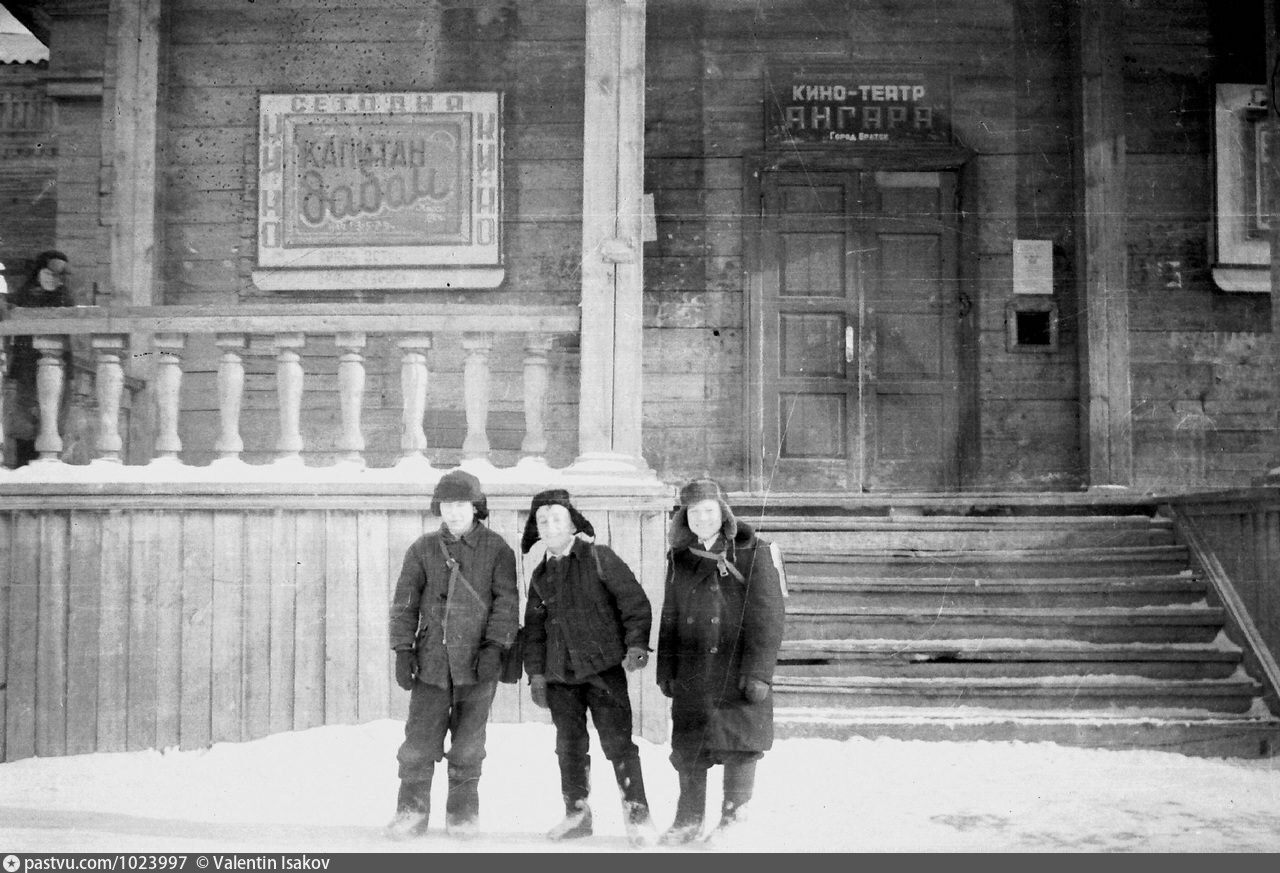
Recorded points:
583,614
715,630
448,621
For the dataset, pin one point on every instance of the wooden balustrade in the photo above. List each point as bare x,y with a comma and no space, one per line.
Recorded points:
1234,537
412,329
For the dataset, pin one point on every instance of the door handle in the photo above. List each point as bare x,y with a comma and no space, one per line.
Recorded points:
849,351
867,367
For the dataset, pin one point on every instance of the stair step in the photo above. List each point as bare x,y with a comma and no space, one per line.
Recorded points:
984,505
1068,693
1157,624
991,617
800,533
1210,734
830,590
995,563
992,658
960,522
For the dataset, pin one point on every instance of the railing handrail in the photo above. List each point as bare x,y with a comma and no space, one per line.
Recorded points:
305,318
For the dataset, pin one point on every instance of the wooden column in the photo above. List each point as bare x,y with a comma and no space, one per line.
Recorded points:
1271,25
134,231
609,429
1107,428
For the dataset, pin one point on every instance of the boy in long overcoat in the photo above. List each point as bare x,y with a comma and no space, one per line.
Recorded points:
718,641
455,611
587,623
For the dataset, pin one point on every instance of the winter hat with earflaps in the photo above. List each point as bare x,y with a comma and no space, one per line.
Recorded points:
696,491
552,497
459,486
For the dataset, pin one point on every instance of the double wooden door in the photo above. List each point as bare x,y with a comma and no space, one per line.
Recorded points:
856,337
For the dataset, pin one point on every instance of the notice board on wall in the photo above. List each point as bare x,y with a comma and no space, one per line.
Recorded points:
379,190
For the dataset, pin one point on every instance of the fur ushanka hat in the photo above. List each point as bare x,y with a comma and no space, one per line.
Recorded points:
458,486
552,497
696,491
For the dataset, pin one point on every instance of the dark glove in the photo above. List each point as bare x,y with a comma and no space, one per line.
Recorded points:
753,689
538,690
636,658
667,687
489,663
406,668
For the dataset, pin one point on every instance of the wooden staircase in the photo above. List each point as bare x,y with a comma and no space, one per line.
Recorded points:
1080,624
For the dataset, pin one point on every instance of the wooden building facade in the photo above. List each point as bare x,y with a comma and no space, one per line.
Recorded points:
815,247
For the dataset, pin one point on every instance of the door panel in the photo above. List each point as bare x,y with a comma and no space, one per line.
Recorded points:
809,402
912,287
857,332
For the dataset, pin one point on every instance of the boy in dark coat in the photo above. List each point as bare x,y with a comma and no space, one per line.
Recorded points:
463,577
718,641
587,618
47,286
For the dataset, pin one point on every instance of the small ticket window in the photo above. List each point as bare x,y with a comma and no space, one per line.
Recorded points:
1031,325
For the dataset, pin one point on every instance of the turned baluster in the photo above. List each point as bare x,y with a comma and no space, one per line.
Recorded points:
351,394
230,393
4,369
475,382
108,350
536,347
413,390
168,387
289,378
50,373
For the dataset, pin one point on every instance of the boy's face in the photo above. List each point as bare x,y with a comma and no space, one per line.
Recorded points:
458,516
554,528
53,275
705,519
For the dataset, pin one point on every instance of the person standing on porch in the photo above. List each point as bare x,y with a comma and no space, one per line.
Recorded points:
718,640
46,286
454,613
586,624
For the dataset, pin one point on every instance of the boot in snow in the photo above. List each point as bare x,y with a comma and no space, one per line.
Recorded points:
575,785
462,808
635,804
413,809
690,809
739,785
576,822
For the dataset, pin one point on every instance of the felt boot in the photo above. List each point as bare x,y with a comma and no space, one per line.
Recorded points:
690,809
635,804
576,822
462,808
739,784
413,809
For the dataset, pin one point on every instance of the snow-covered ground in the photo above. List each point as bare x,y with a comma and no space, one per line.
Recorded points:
332,789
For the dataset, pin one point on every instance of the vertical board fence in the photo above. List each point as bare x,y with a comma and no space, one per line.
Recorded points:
148,621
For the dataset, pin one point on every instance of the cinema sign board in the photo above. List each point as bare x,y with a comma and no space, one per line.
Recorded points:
394,189
848,107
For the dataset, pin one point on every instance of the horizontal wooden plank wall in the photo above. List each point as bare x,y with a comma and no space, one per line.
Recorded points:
184,625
